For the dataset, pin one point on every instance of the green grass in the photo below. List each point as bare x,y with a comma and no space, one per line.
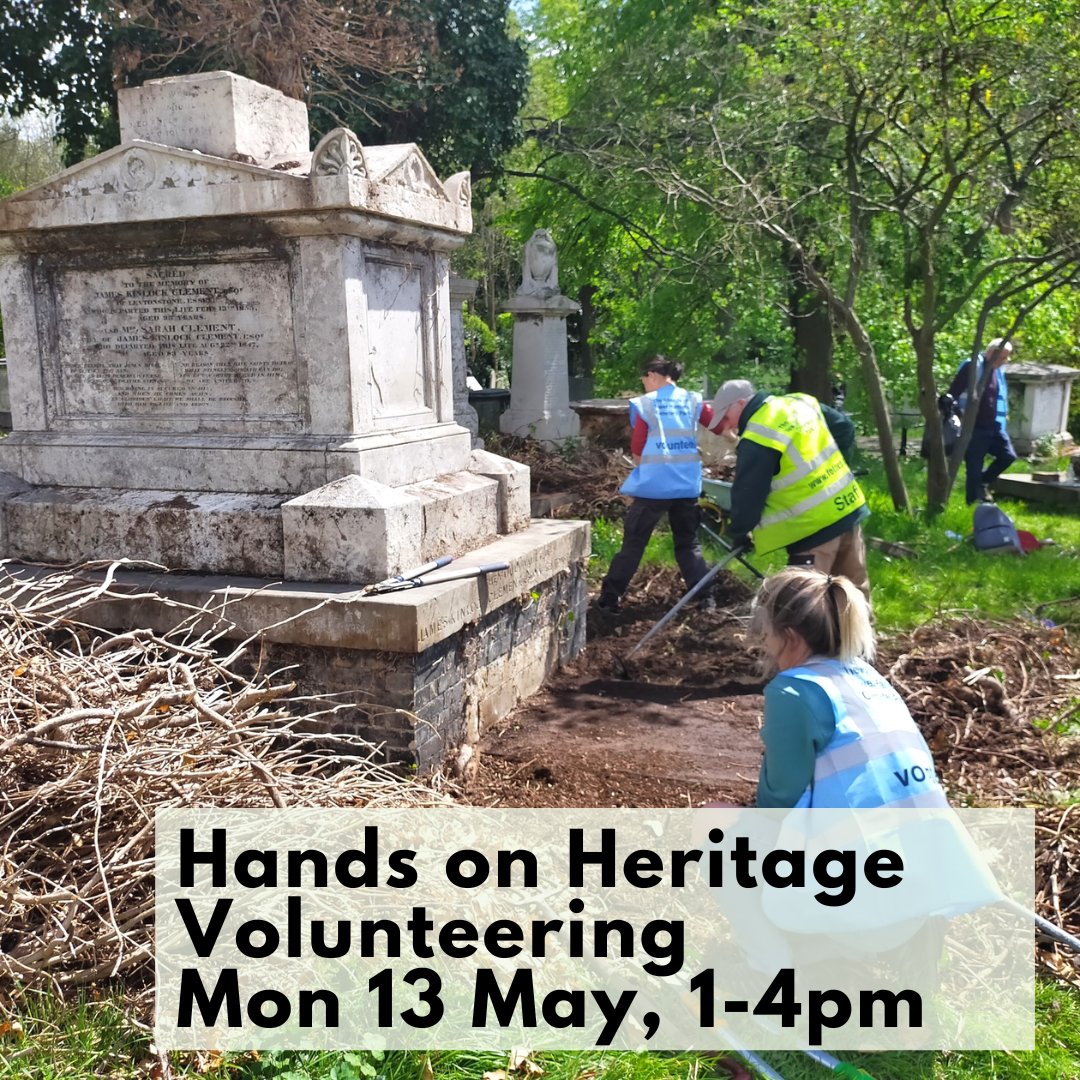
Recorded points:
50,1040
949,577
88,1039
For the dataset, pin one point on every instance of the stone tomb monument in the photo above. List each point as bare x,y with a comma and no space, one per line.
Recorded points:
540,379
230,355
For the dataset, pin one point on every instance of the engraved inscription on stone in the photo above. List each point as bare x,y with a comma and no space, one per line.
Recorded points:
177,340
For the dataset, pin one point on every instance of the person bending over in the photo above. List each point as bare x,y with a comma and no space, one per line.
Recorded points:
836,734
793,485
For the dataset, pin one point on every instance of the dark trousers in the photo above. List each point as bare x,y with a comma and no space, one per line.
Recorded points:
986,442
642,517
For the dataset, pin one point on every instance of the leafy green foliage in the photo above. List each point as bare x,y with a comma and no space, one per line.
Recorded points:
460,104
57,53
913,168
481,347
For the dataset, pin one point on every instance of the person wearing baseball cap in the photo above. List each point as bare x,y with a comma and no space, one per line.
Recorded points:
793,485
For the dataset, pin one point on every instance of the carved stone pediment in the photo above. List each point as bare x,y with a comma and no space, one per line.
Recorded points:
459,189
339,153
405,167
142,167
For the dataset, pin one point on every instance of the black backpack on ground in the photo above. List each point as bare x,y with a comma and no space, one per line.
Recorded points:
994,531
950,426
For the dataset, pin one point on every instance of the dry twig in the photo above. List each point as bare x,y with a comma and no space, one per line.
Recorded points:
99,730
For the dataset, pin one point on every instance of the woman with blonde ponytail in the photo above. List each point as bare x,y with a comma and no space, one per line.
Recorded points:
836,734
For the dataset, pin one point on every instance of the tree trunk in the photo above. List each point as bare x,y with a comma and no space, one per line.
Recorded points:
812,328
846,316
878,405
938,483
586,322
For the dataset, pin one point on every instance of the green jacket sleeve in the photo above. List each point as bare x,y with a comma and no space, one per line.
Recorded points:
799,723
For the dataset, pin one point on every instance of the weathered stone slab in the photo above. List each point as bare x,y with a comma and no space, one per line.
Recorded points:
1022,486
461,513
352,530
335,615
143,183
513,480
215,112
228,463
10,486
152,346
429,668
215,533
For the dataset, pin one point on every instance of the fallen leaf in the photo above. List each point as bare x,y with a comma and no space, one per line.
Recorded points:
427,1072
520,1060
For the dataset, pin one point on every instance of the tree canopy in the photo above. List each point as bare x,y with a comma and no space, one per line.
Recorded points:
910,168
449,76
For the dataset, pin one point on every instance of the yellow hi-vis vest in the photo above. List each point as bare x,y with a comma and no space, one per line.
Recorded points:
814,486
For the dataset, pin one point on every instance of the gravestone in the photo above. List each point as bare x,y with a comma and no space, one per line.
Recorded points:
540,381
1039,396
230,355
461,290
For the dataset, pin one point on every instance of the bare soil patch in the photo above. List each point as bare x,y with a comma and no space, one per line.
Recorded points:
674,726
681,730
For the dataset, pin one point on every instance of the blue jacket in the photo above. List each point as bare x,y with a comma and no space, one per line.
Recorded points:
875,755
993,405
670,463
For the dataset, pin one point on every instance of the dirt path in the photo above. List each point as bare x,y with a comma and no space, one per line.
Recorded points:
680,731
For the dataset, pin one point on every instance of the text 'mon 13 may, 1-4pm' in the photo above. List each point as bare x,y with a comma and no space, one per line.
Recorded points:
574,929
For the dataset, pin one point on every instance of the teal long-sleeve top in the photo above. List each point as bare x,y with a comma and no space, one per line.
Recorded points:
799,723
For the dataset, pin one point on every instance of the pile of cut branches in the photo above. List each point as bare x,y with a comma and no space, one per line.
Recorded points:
591,474
98,730
975,689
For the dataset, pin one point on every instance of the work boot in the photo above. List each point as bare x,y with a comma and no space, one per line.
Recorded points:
705,601
607,602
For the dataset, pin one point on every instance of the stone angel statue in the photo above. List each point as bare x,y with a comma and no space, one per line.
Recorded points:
539,266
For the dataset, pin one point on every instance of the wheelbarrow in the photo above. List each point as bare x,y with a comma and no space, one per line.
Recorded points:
716,495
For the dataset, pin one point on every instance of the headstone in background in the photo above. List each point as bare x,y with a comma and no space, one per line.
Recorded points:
539,382
1039,396
461,291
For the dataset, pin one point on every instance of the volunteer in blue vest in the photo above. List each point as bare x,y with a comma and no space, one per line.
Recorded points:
666,479
836,734
989,437
793,487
